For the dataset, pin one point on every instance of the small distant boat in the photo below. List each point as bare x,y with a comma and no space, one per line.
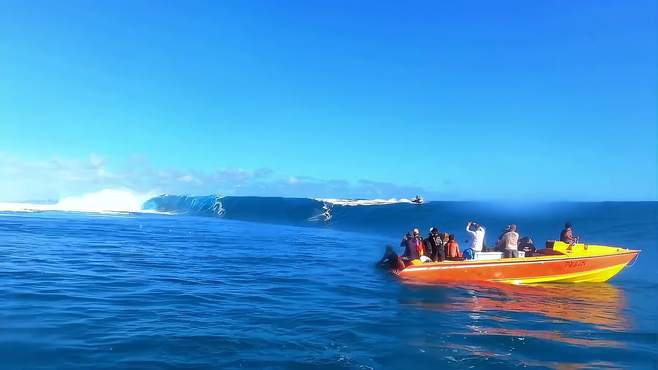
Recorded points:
418,200
559,262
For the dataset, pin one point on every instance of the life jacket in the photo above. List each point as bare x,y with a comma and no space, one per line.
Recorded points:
420,247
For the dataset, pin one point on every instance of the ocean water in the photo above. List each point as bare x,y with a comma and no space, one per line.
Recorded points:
292,284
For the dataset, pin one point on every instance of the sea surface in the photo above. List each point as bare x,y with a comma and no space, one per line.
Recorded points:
273,283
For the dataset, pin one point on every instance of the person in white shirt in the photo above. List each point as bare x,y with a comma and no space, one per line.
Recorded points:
477,235
510,243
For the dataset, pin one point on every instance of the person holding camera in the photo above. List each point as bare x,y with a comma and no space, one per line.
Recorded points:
567,236
477,235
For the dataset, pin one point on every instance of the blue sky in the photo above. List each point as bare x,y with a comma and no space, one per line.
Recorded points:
462,100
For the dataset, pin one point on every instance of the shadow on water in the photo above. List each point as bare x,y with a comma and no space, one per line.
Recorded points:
600,305
597,304
521,325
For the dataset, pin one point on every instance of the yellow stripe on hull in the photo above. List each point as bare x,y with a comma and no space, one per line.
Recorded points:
592,276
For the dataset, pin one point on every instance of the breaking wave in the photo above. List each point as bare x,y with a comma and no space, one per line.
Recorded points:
381,216
260,209
355,214
104,201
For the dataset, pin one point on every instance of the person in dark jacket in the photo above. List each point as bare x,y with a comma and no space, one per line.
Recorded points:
567,236
415,246
527,245
429,247
434,245
410,247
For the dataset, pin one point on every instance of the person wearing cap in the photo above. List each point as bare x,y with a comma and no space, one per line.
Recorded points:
477,235
409,247
509,242
420,246
413,245
567,236
434,245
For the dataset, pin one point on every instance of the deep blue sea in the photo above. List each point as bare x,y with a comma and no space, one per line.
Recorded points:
257,283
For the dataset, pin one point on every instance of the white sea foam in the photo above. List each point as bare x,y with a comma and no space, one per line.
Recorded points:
363,202
104,201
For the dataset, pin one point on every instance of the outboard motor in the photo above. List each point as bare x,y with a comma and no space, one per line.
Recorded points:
391,261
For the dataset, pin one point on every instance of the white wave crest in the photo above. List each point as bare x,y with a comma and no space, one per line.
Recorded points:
104,201
363,202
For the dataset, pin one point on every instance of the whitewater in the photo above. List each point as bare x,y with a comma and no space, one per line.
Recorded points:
103,201
109,201
125,200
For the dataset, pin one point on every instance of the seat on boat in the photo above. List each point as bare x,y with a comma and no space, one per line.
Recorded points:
487,256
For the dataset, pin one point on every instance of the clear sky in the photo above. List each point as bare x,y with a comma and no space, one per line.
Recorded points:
527,100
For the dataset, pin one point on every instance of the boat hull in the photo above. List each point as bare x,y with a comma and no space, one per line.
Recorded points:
561,268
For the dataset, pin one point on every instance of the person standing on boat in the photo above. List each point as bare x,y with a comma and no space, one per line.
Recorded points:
510,242
566,235
434,245
477,235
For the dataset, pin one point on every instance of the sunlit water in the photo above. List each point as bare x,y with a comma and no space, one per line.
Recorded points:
153,291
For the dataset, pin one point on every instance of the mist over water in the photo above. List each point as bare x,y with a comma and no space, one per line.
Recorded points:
104,201
242,282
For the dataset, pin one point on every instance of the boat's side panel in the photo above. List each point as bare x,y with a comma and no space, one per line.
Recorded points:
522,270
593,276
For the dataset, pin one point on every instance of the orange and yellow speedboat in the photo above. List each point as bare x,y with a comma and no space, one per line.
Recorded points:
559,262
